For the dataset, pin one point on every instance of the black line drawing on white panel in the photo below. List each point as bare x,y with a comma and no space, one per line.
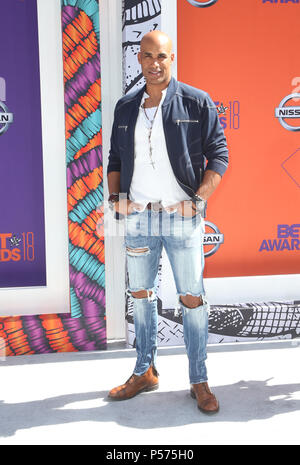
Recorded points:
139,17
243,322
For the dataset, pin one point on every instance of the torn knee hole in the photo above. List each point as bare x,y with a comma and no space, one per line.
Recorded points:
191,301
141,294
137,251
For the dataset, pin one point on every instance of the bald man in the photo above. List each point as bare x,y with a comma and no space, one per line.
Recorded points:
168,155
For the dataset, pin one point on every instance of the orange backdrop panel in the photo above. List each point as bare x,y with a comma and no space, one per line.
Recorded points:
245,54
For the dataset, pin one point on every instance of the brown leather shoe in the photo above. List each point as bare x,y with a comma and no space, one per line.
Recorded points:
136,384
206,400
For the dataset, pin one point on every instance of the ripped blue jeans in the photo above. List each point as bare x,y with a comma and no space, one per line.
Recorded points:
146,233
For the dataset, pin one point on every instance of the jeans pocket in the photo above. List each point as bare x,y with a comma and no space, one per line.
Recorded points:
183,218
133,213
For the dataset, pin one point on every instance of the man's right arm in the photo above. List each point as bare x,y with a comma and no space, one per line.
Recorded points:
124,206
113,179
114,161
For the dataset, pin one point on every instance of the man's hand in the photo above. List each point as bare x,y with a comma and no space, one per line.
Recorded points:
125,207
184,208
209,184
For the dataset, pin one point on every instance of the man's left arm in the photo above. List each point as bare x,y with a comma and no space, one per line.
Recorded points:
216,153
214,148
210,182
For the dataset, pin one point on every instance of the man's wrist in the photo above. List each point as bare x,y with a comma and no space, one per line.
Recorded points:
112,199
199,204
199,198
113,194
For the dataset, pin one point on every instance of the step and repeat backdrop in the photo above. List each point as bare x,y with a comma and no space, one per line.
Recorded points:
49,198
22,224
244,54
52,285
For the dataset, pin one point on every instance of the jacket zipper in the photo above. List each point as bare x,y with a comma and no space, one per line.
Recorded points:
166,138
178,121
182,184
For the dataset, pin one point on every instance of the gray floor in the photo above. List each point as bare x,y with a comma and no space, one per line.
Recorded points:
61,398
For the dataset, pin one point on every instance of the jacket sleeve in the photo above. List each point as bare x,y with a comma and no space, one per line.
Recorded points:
214,141
114,162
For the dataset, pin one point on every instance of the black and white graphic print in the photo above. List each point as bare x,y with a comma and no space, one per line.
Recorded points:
229,323
139,17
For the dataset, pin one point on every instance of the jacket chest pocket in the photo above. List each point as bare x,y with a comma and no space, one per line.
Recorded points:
122,136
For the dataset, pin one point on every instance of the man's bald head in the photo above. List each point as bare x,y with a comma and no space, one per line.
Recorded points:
156,58
157,38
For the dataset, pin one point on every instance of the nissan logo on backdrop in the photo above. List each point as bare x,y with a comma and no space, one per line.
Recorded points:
200,4
283,112
6,118
213,238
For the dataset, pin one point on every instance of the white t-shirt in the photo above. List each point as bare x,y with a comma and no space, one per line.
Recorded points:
159,183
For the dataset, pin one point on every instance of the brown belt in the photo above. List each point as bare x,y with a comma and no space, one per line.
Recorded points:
155,206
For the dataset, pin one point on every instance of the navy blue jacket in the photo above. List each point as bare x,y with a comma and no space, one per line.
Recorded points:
194,136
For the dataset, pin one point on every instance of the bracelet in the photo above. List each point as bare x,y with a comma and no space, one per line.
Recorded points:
113,198
200,204
197,198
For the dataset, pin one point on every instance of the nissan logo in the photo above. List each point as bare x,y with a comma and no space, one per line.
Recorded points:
282,112
6,118
214,238
200,4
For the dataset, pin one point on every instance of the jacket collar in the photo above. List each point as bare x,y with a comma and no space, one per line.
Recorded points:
171,90
145,96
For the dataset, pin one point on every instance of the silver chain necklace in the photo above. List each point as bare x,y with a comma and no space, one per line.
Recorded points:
149,135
